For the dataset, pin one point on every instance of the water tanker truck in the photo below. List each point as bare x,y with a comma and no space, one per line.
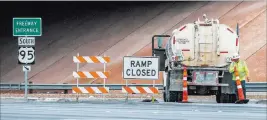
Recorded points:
205,48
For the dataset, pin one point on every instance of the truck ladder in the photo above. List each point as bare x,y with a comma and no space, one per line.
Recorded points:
207,45
217,37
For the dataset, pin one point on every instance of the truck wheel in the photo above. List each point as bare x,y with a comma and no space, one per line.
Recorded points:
173,96
164,97
225,98
180,96
232,98
218,98
221,98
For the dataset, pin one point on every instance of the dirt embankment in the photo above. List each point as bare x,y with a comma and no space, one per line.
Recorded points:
128,30
251,17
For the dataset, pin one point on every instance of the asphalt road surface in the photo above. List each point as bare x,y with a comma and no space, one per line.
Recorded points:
99,110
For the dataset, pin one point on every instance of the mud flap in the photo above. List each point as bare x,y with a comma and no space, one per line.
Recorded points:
245,101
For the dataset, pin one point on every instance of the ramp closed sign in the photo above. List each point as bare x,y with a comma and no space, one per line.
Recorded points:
140,67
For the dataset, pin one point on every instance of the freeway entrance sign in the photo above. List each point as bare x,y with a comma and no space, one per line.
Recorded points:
27,27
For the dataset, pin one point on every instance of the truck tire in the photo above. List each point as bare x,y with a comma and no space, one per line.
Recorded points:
222,98
176,96
164,97
232,98
166,92
173,96
180,96
218,98
226,98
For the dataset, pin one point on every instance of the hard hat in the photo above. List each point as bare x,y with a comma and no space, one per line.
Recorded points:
236,56
204,16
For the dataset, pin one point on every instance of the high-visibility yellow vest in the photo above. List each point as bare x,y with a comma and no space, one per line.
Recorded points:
242,69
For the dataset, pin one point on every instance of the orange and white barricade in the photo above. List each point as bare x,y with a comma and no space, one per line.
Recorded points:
140,90
90,90
92,74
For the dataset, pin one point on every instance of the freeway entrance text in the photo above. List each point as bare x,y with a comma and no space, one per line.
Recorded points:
27,27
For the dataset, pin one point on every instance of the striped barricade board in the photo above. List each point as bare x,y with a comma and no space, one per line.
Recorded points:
91,59
90,90
85,74
140,90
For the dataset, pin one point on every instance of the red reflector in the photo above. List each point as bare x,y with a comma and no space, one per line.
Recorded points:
204,24
185,49
236,41
224,52
230,30
182,28
173,41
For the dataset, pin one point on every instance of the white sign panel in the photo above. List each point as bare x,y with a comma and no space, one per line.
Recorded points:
26,55
26,41
26,68
141,67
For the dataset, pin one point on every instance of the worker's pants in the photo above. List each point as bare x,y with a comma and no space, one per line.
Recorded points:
243,84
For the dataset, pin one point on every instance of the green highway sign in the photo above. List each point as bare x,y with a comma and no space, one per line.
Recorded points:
27,26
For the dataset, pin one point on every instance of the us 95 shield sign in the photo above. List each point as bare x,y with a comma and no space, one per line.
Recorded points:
140,67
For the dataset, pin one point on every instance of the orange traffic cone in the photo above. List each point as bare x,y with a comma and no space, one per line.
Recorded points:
241,98
185,93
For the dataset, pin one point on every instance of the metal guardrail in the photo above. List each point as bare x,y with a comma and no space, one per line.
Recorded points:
250,86
256,87
68,86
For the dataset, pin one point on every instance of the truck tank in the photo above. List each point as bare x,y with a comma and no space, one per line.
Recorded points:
203,43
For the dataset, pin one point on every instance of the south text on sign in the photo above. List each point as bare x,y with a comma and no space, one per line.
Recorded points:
26,41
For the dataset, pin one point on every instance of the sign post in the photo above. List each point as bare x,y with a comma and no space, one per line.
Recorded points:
77,81
146,68
153,96
103,95
26,85
26,69
126,93
24,27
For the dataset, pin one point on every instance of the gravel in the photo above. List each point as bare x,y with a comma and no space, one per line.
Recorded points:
116,94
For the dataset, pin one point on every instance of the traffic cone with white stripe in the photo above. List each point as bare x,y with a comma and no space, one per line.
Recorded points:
241,98
185,93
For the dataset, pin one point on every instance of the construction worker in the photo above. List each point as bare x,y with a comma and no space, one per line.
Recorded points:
241,67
